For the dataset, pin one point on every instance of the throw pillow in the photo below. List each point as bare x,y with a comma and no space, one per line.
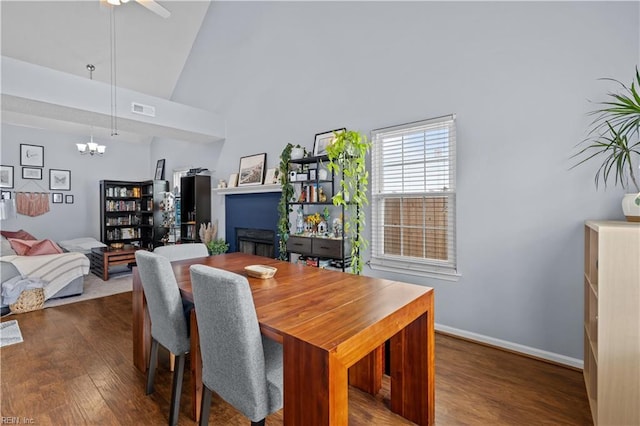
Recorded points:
21,235
44,247
34,247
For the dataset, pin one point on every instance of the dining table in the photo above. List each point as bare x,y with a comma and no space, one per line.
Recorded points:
333,327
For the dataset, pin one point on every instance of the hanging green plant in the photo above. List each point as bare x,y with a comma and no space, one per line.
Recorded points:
347,159
287,193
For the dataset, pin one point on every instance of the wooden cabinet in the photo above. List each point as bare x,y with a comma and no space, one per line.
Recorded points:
129,212
612,321
319,247
321,244
195,206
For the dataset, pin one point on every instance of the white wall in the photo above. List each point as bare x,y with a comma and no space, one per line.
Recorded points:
518,75
180,154
122,161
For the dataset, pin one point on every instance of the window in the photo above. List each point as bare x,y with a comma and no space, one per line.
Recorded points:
414,198
177,175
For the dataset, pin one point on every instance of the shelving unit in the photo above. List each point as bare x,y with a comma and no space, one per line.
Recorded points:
168,216
151,230
128,212
195,206
612,321
323,247
120,212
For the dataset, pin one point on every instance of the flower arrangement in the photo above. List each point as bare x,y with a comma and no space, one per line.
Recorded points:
314,219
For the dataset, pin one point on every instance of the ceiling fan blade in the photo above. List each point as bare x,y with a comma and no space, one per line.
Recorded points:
155,8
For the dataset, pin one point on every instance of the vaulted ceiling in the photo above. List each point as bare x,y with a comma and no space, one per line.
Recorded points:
150,51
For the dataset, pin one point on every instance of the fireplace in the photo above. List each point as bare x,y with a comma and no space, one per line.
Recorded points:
260,242
251,222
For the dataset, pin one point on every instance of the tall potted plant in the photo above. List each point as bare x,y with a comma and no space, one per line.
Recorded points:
347,159
615,139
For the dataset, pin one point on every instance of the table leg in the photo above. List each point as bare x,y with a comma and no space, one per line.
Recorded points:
105,267
366,374
315,386
196,366
413,370
141,325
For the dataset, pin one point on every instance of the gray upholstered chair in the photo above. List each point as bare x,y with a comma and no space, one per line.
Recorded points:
168,322
241,366
182,251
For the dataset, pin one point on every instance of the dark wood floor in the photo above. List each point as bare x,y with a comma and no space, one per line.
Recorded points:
75,367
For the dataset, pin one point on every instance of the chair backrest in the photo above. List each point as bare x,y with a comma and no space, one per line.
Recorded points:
168,323
233,361
182,251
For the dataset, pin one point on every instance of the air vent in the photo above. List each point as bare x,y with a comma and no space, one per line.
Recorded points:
147,110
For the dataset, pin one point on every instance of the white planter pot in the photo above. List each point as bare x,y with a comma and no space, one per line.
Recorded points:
297,153
630,209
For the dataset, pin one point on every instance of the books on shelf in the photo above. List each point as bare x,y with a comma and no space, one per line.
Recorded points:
309,194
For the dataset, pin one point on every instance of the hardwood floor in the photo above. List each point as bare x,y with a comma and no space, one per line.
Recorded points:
75,367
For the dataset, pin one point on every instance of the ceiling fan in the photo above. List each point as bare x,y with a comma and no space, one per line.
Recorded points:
152,5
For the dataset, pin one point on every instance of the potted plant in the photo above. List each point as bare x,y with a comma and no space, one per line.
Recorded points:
287,193
217,246
615,138
298,152
347,158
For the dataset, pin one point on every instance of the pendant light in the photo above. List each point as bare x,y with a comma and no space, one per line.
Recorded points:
91,147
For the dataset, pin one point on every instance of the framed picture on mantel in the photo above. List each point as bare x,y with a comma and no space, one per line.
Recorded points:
252,169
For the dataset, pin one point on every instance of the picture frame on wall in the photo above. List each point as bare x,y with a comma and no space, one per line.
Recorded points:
323,140
5,195
160,170
56,197
251,170
31,173
6,176
60,180
31,155
68,199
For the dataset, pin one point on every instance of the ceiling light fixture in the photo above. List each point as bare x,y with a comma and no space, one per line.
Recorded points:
91,147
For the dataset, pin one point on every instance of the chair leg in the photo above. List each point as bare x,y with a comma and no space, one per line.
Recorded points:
176,390
172,361
260,423
153,363
205,407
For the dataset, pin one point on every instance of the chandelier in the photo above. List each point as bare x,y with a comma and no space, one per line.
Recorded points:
91,147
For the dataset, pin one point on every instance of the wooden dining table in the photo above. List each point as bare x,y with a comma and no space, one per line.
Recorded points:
333,326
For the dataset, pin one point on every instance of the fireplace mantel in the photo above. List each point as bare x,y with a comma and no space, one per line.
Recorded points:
249,189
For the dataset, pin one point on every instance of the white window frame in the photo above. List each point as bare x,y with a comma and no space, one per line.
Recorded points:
441,269
178,173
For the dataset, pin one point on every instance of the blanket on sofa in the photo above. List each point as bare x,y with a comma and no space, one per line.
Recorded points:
57,270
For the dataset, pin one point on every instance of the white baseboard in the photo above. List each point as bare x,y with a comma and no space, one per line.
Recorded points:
515,347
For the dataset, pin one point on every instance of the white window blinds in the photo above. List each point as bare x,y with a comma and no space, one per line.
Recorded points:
413,197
